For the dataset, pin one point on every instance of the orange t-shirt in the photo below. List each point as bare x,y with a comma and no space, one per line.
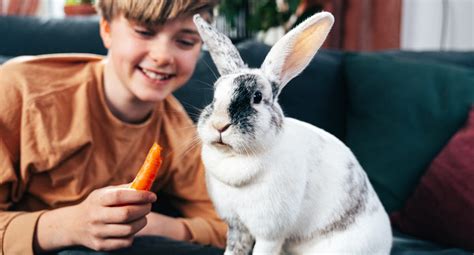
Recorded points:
59,141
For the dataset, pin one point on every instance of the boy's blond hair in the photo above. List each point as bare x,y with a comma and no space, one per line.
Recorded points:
153,12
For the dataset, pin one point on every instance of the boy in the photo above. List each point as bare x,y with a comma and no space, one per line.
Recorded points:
75,129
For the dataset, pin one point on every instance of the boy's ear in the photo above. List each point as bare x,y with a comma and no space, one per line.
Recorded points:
105,33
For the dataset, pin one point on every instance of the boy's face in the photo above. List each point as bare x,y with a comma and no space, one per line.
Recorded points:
150,62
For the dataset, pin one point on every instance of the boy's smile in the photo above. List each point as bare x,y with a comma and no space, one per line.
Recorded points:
146,64
156,78
156,75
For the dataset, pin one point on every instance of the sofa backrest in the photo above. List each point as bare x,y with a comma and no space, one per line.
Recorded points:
33,35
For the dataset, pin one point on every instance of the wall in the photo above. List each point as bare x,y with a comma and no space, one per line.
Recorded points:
437,25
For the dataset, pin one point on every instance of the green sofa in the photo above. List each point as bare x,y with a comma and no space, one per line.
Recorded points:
395,109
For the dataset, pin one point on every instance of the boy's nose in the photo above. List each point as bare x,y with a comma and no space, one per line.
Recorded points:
161,55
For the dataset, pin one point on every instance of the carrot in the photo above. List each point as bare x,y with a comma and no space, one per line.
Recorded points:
149,169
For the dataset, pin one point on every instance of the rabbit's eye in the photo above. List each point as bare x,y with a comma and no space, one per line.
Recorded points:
257,97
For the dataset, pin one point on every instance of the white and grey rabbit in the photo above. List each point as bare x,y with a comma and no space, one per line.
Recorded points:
282,185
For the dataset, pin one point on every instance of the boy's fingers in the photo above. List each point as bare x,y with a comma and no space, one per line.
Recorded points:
124,196
122,230
125,214
122,186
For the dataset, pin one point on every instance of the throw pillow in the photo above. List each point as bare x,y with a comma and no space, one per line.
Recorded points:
442,206
400,114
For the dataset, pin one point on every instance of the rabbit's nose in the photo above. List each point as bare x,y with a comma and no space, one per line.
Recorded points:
221,127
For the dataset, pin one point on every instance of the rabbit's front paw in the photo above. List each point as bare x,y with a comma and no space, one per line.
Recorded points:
264,247
235,252
239,239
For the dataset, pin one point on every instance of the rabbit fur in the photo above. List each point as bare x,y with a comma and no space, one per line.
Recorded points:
282,185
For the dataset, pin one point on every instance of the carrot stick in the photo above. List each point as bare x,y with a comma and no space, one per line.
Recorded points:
149,169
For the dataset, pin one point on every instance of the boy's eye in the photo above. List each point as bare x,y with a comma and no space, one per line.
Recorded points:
186,43
144,32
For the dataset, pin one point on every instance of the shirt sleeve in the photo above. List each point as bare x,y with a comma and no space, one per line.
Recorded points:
16,228
193,202
186,187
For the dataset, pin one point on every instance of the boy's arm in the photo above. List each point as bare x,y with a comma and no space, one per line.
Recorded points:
162,225
16,228
16,232
200,217
188,192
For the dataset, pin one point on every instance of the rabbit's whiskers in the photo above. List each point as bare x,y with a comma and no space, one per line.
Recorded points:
193,114
212,71
187,147
210,86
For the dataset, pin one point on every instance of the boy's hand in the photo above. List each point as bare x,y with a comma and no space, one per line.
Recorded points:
106,220
162,225
110,217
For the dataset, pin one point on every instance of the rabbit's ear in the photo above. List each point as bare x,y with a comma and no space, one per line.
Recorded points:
224,54
293,52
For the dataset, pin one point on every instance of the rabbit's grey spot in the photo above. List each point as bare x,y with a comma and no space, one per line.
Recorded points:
350,165
239,239
240,111
275,89
233,58
223,52
247,80
356,204
277,116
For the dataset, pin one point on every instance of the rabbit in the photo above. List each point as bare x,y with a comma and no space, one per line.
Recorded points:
283,186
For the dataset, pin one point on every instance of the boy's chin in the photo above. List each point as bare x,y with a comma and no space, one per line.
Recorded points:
153,98
151,95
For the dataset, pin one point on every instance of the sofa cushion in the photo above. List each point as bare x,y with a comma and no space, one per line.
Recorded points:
404,244
458,58
442,206
400,114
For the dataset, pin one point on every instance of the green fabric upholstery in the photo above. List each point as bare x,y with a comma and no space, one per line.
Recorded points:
409,245
401,112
